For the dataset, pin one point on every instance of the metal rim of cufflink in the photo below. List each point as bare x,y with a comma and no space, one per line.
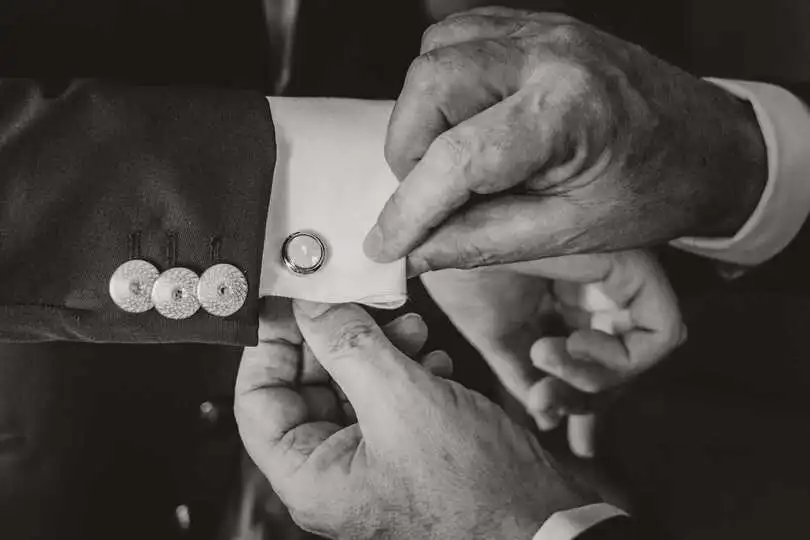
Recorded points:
302,270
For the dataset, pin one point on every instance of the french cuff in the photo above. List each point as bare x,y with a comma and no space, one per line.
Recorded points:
569,524
331,181
785,203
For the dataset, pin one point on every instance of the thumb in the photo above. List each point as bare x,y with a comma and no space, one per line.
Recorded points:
348,343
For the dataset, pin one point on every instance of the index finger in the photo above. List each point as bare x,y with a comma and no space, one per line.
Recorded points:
443,87
484,155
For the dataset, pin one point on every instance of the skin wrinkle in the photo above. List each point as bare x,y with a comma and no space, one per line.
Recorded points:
352,336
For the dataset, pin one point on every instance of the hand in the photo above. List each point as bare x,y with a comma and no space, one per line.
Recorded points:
505,312
427,458
522,135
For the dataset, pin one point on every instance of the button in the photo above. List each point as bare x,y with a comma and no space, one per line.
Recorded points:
222,290
183,516
303,252
175,293
131,286
209,412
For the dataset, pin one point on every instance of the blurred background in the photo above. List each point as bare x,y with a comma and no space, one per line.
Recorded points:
134,442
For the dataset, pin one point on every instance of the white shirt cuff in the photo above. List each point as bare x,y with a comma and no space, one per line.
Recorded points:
331,178
785,203
569,524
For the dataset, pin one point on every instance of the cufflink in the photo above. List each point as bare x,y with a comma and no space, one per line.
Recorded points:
303,252
131,286
222,290
175,293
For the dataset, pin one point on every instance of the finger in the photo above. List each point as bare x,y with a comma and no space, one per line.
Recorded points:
408,333
569,272
576,368
638,283
469,26
581,434
593,298
613,322
551,399
490,22
544,405
547,15
491,152
609,358
438,363
574,317
353,349
442,88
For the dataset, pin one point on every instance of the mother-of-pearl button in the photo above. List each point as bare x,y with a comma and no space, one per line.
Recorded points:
303,252
175,293
222,290
131,286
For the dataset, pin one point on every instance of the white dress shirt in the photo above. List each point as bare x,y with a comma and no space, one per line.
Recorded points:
331,178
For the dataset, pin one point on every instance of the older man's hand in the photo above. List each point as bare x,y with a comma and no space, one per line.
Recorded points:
521,135
427,459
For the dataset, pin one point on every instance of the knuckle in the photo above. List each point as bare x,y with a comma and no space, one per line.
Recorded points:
578,78
455,151
435,34
471,255
352,336
421,76
434,72
567,34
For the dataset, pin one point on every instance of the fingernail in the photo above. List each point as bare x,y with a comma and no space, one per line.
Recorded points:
311,309
373,243
439,363
410,322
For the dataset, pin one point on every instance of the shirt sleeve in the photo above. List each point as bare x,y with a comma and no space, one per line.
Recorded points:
785,202
569,524
331,181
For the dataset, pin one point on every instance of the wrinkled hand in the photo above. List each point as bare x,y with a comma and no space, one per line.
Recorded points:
522,135
506,311
427,458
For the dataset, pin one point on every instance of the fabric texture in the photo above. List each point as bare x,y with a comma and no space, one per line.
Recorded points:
86,167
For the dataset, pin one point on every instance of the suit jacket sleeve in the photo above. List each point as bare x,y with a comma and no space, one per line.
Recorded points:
617,528
94,174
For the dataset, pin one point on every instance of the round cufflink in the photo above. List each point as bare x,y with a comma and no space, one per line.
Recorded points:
175,293
222,290
131,286
304,253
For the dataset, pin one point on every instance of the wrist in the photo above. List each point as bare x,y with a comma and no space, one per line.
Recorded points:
738,170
